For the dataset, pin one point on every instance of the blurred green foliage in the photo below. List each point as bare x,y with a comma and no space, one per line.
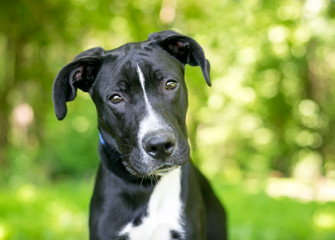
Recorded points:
270,110
270,107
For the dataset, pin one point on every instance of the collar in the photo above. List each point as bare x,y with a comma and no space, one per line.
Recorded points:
102,141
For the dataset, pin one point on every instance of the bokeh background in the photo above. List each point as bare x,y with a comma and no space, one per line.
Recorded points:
263,134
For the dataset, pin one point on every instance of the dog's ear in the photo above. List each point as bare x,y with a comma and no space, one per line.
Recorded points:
80,73
184,48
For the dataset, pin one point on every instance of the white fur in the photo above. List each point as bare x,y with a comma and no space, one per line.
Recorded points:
164,211
151,122
142,81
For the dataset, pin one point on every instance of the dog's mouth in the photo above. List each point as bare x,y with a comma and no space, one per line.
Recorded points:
160,171
131,170
164,170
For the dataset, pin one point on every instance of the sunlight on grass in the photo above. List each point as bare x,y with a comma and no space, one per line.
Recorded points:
289,188
324,220
2,232
65,217
319,190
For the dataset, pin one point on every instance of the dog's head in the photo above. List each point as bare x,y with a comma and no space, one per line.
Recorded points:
140,96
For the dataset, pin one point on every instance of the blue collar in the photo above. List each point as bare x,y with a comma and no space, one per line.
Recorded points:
102,141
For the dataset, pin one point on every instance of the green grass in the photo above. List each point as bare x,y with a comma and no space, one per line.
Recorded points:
60,211
253,215
52,212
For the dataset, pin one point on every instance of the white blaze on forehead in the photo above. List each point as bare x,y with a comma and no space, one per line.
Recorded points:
152,119
142,81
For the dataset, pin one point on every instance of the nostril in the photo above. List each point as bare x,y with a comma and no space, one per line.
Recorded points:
152,149
169,147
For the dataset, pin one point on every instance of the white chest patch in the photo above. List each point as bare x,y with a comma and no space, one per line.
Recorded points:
164,211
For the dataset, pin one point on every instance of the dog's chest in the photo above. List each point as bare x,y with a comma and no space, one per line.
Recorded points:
164,215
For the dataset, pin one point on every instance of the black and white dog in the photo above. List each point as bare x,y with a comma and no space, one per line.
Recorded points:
146,187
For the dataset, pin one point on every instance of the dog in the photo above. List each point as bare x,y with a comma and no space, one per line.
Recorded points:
146,186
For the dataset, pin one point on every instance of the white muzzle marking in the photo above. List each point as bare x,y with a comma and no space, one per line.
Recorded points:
151,122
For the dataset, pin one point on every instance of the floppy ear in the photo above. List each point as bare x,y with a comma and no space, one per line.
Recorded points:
80,73
184,48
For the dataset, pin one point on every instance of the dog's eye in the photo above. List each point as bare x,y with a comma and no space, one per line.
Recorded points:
115,99
171,84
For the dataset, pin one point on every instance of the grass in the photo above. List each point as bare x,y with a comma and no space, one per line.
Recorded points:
253,215
52,212
60,211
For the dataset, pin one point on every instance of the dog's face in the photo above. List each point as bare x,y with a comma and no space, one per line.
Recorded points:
141,105
140,97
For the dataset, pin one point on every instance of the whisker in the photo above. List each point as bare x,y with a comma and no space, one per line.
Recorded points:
128,145
142,182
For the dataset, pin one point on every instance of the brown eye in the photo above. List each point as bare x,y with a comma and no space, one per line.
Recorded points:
115,99
171,85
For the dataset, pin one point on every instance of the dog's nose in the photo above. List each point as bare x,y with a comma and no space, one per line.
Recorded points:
159,145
